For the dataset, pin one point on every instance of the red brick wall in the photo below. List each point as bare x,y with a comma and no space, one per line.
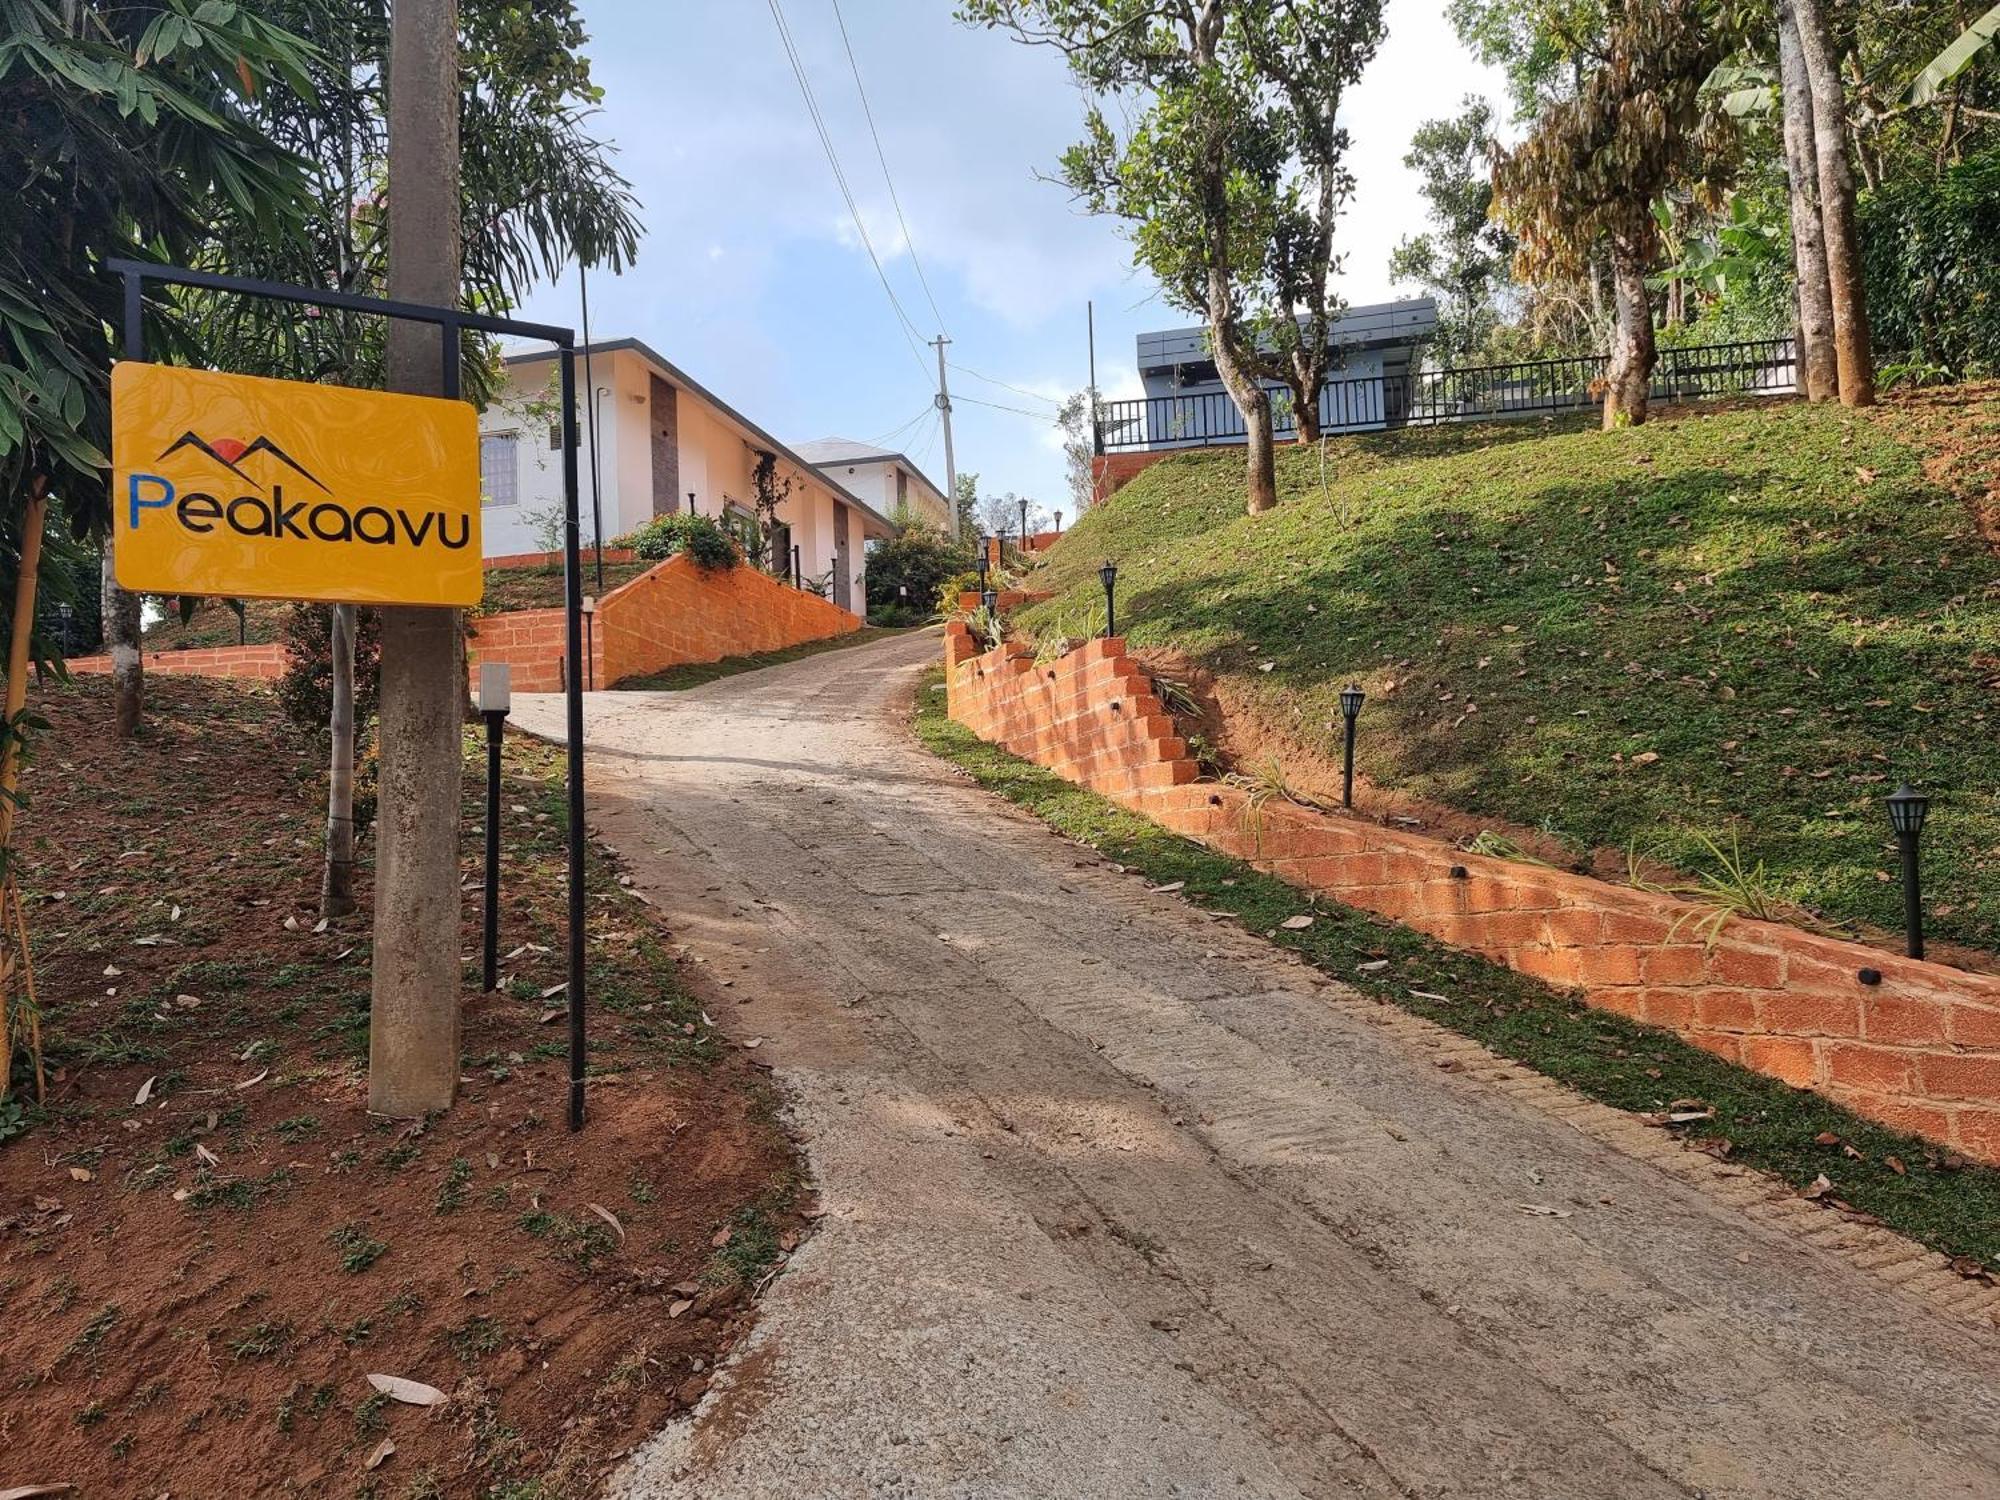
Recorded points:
679,613
548,559
260,663
1919,1050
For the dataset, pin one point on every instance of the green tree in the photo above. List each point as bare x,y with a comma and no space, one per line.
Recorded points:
1463,259
1229,173
1589,175
131,131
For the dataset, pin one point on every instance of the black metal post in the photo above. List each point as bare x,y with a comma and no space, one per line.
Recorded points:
573,702
1913,900
798,578
495,719
1347,766
1024,528
1108,576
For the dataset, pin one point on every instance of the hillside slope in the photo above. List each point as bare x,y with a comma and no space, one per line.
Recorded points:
1745,623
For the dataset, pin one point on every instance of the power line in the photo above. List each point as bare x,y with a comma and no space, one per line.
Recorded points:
1019,390
929,410
1019,411
908,329
869,115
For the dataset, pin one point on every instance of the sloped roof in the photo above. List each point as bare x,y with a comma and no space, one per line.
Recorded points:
821,452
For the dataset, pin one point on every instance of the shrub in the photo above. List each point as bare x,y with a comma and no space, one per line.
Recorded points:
1933,281
305,692
700,537
919,561
966,582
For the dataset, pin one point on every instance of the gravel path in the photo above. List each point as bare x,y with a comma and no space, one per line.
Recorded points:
1120,1202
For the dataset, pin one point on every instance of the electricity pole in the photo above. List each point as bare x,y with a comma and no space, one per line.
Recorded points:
944,406
413,1042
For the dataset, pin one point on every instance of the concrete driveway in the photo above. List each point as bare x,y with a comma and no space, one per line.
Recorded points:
1120,1202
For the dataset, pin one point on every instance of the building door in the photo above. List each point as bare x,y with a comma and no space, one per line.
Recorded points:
666,448
843,584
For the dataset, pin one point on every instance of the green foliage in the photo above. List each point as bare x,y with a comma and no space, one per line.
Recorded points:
1463,260
700,537
305,692
358,1250
1724,592
1933,276
909,569
949,589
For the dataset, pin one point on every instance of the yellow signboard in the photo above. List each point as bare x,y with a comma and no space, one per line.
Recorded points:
241,487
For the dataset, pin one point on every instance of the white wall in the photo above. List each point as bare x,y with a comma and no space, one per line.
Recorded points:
716,464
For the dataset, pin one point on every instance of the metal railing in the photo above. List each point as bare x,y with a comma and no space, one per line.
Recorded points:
1473,393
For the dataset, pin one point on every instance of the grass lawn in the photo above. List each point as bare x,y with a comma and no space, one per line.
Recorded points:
1938,1199
1749,622
694,674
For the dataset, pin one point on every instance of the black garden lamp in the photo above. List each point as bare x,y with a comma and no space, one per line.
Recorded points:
1108,576
66,616
496,697
1907,811
1351,699
1024,526
984,542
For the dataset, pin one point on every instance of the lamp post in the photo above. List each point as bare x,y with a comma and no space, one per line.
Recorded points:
1024,526
798,578
1108,576
589,642
1351,699
66,616
495,698
1058,523
1907,811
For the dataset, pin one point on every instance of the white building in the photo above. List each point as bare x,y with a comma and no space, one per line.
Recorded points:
664,444
888,481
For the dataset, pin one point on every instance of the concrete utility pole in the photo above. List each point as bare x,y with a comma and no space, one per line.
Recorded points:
950,466
414,1015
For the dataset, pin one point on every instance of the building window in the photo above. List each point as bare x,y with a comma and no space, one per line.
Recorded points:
499,468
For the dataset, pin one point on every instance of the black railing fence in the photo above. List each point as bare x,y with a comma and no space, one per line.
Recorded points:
1756,367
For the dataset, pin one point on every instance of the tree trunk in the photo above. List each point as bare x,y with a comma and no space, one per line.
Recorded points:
413,1045
1818,367
1629,381
1254,402
1307,377
336,885
1852,357
121,637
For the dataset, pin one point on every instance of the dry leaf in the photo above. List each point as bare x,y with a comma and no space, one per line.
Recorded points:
31,1491
608,1217
203,1153
754,1043
1374,966
1645,757
410,1392
380,1454
81,1174
251,1083
145,1091
1543,1211
1895,1166
1297,924
1820,1187
1168,888
555,989
677,1308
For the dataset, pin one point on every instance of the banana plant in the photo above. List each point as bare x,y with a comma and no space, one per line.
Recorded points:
1955,59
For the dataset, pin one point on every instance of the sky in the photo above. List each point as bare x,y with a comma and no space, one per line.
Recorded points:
751,275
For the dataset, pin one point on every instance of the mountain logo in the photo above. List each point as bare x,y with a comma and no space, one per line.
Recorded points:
230,452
